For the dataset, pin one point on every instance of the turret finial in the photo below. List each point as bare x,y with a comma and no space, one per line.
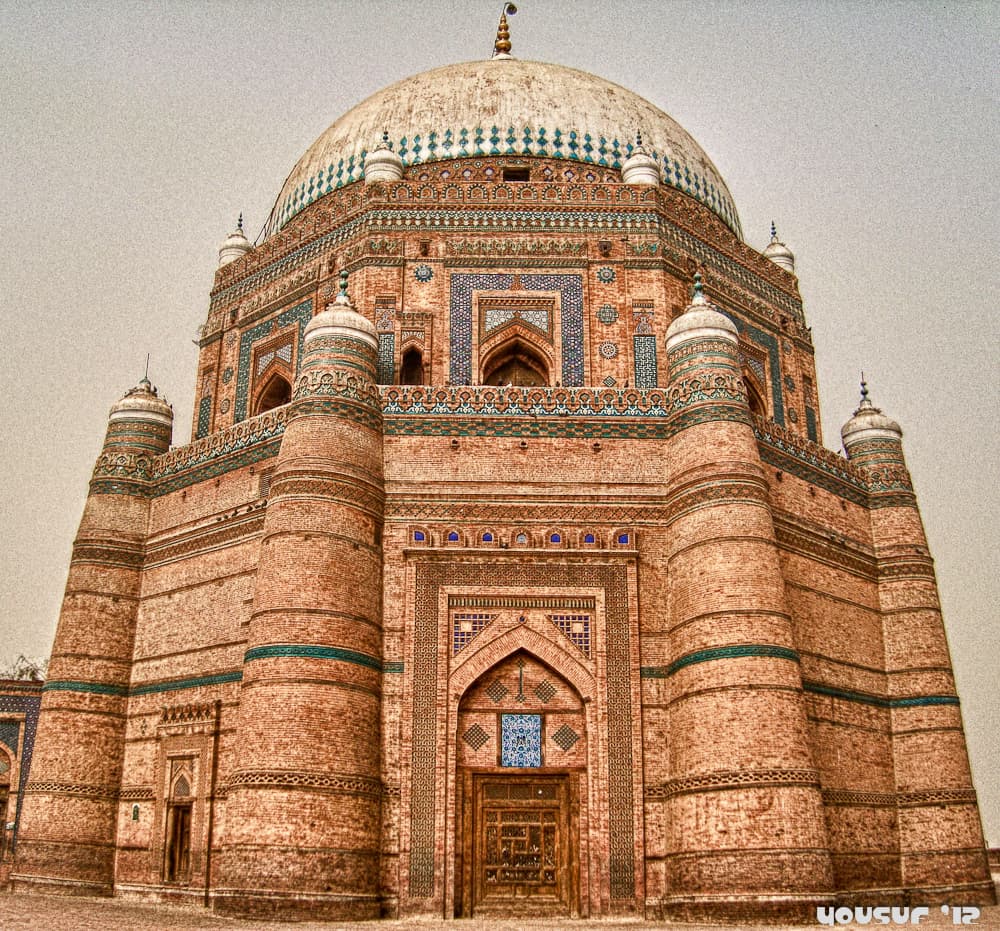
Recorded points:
343,283
501,48
239,222
638,139
698,297
774,232
386,144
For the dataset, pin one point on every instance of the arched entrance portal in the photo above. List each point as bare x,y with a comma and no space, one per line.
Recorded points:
521,758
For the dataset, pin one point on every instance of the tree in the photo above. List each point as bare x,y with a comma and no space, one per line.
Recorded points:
25,669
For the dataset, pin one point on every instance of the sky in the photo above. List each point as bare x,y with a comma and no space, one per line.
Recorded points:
134,134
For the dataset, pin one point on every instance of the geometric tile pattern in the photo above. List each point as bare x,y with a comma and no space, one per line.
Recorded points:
466,626
570,288
204,416
576,627
28,705
645,361
565,737
476,737
9,732
497,691
520,740
607,314
386,358
443,142
545,690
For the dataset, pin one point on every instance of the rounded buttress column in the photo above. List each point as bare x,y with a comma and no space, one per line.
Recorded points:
746,834
303,813
66,842
942,848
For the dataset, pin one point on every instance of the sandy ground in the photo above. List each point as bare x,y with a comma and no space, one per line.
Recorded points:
54,913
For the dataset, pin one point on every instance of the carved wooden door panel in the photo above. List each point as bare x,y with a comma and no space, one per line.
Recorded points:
521,844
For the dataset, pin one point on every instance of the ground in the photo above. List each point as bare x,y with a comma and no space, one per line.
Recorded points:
53,913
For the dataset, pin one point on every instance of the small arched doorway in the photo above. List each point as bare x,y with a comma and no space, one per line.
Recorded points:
516,363
521,752
411,368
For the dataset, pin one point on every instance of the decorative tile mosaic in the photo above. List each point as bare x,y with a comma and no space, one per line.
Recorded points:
608,349
545,690
283,352
386,358
423,273
644,361
466,626
609,382
565,737
498,316
606,274
575,626
28,705
521,740
811,425
300,314
10,731
204,417
607,314
476,737
570,144
570,288
497,691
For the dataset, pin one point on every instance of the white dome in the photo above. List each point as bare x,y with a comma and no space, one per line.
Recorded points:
503,107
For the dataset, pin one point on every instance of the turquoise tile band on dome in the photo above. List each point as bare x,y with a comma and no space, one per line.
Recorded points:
574,146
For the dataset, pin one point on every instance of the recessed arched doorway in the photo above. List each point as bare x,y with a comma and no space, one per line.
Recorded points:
515,362
521,755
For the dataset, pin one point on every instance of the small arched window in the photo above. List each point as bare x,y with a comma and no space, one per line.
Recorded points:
411,369
276,392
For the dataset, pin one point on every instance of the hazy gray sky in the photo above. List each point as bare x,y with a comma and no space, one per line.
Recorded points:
133,135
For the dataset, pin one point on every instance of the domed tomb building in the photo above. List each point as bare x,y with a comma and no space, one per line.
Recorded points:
504,572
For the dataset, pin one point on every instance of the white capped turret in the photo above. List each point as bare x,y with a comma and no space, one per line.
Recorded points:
236,245
779,253
640,167
341,319
701,320
382,163
868,423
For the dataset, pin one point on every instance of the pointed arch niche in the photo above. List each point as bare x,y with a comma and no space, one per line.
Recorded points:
521,791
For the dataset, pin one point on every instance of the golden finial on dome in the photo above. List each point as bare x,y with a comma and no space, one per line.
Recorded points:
501,48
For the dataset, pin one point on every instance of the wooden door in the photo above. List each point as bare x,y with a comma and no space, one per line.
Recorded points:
521,846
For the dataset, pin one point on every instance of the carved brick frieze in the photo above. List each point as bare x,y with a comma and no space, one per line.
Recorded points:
79,790
136,794
825,546
236,529
240,436
719,781
108,553
516,247
849,798
320,782
937,797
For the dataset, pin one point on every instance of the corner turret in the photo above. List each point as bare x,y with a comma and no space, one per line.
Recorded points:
382,163
778,252
235,246
640,167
